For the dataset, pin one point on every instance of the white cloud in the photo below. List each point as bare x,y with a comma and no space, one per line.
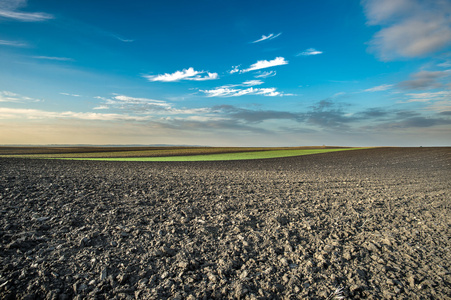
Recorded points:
134,104
233,92
101,107
134,100
8,9
252,82
21,113
6,96
267,37
68,94
248,83
310,52
145,106
411,28
185,74
235,69
54,58
265,74
12,43
263,64
379,88
427,97
445,64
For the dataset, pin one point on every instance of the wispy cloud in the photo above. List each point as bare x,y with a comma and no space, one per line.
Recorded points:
8,9
23,113
134,100
68,94
185,74
121,38
379,88
443,107
263,64
6,96
252,83
427,97
247,83
445,64
265,74
234,92
54,58
423,80
138,105
267,37
411,28
309,52
13,43
101,107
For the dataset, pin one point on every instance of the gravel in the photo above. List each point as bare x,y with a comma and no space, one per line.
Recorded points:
374,223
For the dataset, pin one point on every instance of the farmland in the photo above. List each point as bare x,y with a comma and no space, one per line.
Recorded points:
375,222
161,153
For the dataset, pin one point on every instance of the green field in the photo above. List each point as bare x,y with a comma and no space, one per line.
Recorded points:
220,157
164,154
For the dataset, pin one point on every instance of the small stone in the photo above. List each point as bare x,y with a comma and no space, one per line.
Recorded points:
212,277
285,278
354,288
347,255
84,241
372,247
240,291
164,275
143,282
243,275
183,265
411,281
103,274
178,296
284,261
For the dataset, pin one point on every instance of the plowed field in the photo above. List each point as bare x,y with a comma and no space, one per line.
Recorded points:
375,222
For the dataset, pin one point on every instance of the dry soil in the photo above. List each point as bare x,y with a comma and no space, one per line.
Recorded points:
374,222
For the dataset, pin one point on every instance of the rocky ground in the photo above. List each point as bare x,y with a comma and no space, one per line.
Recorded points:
374,222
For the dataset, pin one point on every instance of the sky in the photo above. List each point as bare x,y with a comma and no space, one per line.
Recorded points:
226,73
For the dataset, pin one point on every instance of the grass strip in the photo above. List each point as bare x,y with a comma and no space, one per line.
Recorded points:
220,157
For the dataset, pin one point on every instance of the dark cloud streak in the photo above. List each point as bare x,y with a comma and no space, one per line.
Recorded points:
423,80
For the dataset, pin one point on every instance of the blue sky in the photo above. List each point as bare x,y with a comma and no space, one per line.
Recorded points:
226,73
